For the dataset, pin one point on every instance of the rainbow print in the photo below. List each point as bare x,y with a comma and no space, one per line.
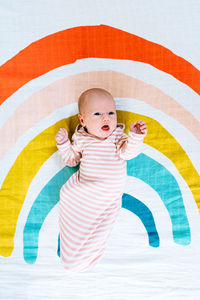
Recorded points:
39,89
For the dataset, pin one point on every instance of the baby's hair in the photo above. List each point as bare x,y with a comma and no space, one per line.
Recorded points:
91,92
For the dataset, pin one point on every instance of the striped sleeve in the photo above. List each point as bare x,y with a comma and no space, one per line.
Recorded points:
130,146
70,151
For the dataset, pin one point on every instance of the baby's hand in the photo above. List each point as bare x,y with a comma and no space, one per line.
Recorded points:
139,127
61,136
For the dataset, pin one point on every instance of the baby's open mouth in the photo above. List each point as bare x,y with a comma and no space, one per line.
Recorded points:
105,127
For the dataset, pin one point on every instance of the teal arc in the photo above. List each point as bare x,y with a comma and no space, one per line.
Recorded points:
142,167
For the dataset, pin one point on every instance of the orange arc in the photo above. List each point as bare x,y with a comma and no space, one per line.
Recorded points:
100,41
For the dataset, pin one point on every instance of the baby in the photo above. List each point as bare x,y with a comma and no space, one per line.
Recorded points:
91,199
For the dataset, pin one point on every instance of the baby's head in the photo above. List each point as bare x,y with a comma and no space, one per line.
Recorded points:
97,112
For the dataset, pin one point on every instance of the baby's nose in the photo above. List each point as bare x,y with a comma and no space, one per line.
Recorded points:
105,117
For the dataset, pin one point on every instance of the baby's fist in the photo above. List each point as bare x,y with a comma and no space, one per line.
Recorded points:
139,127
61,136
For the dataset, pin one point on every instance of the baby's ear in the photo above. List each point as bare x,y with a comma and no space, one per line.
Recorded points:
81,119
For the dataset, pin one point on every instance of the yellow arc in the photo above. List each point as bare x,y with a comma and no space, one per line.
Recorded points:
29,161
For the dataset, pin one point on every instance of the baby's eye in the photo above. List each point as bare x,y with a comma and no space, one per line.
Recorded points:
111,113
97,114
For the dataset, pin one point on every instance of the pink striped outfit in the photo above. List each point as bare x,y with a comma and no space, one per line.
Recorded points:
91,199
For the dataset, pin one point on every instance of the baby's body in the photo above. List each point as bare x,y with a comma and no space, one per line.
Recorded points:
90,200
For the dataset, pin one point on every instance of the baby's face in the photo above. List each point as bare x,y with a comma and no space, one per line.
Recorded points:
99,115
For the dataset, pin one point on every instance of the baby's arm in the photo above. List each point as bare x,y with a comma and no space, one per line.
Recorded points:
69,151
130,146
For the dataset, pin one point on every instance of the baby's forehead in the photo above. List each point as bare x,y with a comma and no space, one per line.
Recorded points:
99,101
95,98
97,94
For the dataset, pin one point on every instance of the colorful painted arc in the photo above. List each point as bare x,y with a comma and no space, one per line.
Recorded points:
118,84
141,167
31,158
91,41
